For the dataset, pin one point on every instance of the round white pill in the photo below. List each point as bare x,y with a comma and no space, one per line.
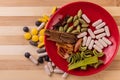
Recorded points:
97,22
91,33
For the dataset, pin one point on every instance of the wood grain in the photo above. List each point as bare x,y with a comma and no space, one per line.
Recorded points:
14,15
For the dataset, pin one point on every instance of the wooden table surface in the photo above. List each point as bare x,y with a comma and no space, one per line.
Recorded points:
14,14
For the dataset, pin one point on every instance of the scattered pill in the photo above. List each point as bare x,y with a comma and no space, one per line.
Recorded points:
33,43
42,20
41,26
107,31
65,75
59,71
38,23
53,64
99,31
25,29
99,44
100,25
47,58
50,66
41,39
84,41
47,70
53,10
97,48
96,23
40,60
42,54
41,45
42,32
100,35
29,56
46,17
102,42
91,33
85,18
35,38
27,36
34,31
88,41
82,34
91,45
107,40
41,50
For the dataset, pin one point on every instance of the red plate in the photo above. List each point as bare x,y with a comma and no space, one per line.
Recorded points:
94,12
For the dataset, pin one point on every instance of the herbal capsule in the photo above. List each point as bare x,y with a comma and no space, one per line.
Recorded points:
41,50
75,18
84,25
96,23
102,42
57,70
41,26
82,34
35,38
26,29
88,41
47,70
91,33
42,54
76,23
50,66
97,48
27,36
107,31
38,23
100,25
65,27
33,43
99,31
65,75
70,19
69,29
91,45
34,31
84,41
107,40
100,35
86,18
79,14
29,56
99,44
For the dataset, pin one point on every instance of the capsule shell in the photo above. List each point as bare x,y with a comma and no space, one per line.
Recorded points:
101,25
102,42
47,70
96,23
107,40
88,41
99,31
65,75
57,70
82,34
100,35
50,66
91,45
84,41
97,48
41,50
107,31
42,54
86,18
41,26
33,60
91,33
99,44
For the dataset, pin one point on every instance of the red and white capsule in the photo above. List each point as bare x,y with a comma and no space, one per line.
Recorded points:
84,16
97,22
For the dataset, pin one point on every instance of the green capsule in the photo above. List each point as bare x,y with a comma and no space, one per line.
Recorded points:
75,18
84,29
69,29
79,14
84,25
70,19
65,27
76,23
75,32
78,28
61,29
82,21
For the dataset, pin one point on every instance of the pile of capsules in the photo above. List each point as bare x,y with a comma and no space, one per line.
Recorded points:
36,38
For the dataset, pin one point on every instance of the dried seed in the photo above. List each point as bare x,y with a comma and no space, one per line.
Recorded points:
76,23
85,25
78,28
69,29
79,14
65,27
82,21
75,18
84,29
75,32
70,19
61,29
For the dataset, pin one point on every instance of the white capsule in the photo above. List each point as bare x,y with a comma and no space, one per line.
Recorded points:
42,54
50,66
47,70
84,41
53,64
59,71
91,33
82,34
97,48
88,41
65,75
100,25
107,31
33,60
102,42
99,44
41,26
99,31
91,44
100,35
86,18
97,22
107,40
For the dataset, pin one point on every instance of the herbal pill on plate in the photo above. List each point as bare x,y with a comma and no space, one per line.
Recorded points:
102,42
28,55
99,31
100,25
107,31
107,40
91,44
27,36
100,35
91,33
82,34
35,38
50,66
97,48
84,41
85,18
26,29
88,41
99,44
47,70
97,22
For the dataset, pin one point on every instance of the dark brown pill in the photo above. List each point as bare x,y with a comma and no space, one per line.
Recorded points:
25,29
33,43
27,54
